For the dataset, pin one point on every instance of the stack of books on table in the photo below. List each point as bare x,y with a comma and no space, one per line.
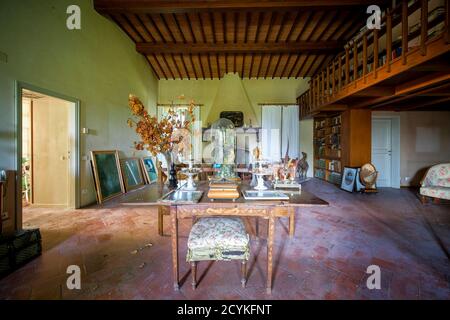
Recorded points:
223,190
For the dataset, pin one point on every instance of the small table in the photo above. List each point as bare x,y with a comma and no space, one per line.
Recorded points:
270,210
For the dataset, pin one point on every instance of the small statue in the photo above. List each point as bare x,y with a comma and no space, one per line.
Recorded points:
257,153
292,168
162,177
303,166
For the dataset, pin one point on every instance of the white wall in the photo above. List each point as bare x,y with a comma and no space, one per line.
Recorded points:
307,143
98,65
424,141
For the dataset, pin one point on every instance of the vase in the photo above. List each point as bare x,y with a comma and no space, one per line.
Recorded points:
171,170
173,182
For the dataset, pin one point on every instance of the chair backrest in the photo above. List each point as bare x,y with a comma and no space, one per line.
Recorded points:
437,176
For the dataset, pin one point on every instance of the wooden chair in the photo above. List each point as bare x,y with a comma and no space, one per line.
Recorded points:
215,239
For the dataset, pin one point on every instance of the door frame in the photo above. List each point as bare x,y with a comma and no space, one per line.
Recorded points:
75,171
395,146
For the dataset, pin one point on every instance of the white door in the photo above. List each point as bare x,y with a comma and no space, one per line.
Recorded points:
382,150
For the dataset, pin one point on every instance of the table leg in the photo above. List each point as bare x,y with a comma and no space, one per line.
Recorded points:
291,222
174,231
160,221
270,253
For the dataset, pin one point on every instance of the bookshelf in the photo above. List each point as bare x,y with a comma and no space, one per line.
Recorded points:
328,148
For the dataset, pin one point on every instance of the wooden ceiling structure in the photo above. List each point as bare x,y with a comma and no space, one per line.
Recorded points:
205,39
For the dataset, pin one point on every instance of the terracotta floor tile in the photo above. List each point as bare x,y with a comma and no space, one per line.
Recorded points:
327,258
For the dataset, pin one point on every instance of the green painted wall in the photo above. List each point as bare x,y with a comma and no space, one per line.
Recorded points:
97,65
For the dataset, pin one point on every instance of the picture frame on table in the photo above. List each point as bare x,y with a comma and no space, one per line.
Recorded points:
349,179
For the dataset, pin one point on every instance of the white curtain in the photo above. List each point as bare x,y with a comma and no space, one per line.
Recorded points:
280,129
271,133
196,127
290,132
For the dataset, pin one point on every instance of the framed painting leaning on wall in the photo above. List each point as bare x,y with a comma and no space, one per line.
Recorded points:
149,169
349,179
132,175
107,174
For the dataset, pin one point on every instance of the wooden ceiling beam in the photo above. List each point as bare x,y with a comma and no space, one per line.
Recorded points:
376,91
428,103
269,47
400,98
175,6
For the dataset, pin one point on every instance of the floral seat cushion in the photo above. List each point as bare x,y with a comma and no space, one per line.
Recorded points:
218,238
436,192
436,182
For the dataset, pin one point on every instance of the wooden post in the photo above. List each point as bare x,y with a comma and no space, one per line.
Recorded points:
270,240
194,274
333,81
339,73
160,221
291,222
174,230
355,61
375,52
447,21
347,65
309,102
243,273
388,39
317,91
424,27
323,86
328,82
364,57
404,30
313,93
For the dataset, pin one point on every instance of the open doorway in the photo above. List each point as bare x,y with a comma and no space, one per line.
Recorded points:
49,149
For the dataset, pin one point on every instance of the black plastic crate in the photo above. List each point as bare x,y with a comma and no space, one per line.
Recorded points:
25,237
15,251
26,254
5,265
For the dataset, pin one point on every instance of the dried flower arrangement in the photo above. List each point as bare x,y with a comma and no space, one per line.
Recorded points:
159,136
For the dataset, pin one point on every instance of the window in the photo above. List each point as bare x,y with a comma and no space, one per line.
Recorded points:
181,111
280,132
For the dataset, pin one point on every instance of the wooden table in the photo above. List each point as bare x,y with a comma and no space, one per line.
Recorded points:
270,210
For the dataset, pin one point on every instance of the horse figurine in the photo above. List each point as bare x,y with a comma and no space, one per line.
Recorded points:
303,166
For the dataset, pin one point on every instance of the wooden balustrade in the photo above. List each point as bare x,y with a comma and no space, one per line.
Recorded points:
404,30
336,76
388,39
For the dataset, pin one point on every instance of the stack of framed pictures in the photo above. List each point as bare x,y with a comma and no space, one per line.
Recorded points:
114,176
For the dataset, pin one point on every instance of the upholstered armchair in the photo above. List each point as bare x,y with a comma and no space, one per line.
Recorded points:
436,183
